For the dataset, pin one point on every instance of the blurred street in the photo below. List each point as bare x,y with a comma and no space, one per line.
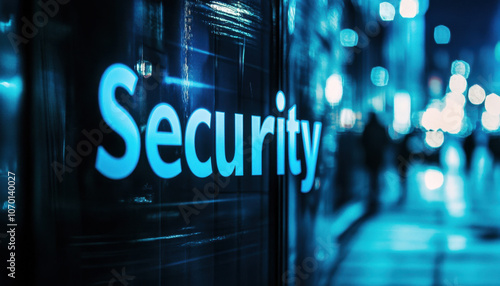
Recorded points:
445,236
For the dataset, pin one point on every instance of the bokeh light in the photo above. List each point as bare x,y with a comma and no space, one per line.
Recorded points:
497,52
402,112
458,83
490,122
431,119
434,139
387,11
379,76
434,179
347,118
334,89
348,38
435,86
454,98
442,35
477,95
408,8
452,118
460,67
492,104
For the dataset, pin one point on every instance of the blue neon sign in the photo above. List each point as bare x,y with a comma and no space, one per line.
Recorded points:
119,75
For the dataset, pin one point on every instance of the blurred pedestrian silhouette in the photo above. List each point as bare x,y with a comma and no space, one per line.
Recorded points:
494,146
374,141
403,164
469,145
345,158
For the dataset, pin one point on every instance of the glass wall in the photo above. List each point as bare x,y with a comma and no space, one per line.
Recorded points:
83,225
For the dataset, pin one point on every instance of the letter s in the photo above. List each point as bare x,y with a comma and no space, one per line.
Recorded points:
118,119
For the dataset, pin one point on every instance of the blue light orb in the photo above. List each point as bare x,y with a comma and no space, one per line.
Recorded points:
460,67
348,38
442,35
387,11
379,76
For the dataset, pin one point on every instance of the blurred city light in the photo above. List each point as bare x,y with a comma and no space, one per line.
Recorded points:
387,11
434,139
348,38
378,102
452,118
319,91
291,17
280,101
435,86
454,200
477,95
452,156
11,89
187,83
334,89
434,179
5,26
456,242
379,76
497,52
490,122
442,35
431,119
347,118
458,83
492,104
455,98
402,112
144,68
408,8
460,67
